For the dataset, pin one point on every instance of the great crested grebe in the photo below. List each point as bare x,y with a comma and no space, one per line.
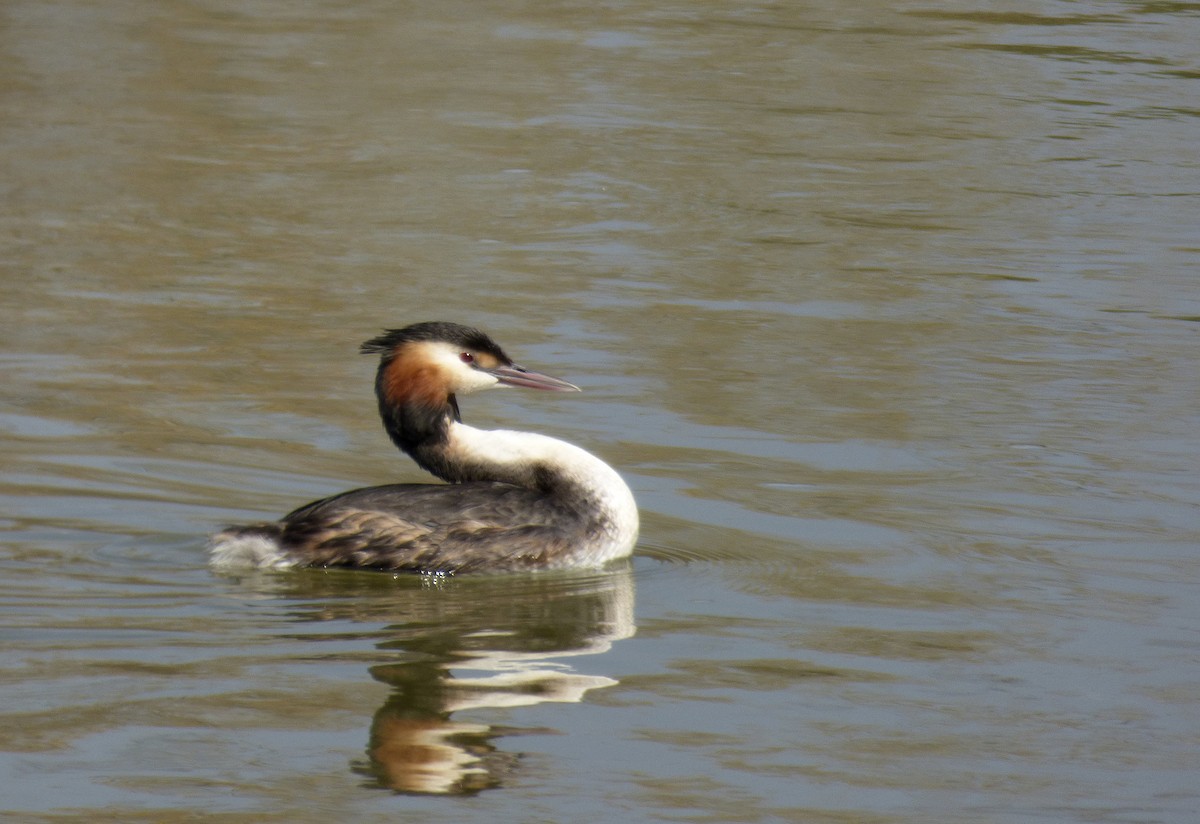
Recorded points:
515,500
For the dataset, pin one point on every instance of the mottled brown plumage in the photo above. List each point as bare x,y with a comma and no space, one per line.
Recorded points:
496,526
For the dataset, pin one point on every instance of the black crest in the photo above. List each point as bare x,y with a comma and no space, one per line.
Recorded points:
466,337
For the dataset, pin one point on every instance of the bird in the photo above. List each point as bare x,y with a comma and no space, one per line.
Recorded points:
512,501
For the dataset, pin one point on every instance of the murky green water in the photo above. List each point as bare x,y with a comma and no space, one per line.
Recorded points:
887,312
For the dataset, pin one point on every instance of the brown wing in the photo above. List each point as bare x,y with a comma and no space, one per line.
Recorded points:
431,528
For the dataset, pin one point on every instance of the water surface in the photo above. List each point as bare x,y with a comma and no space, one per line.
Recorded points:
888,313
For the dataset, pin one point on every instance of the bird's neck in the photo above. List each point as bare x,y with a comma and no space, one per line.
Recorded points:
520,458
432,434
418,426
441,444
434,437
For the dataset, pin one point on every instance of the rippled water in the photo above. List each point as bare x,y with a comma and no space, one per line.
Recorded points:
888,314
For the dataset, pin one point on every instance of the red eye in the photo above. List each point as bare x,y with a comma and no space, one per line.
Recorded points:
467,357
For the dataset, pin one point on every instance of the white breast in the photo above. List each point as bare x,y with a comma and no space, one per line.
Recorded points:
604,490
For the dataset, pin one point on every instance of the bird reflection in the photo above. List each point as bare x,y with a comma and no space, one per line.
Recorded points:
463,647
417,747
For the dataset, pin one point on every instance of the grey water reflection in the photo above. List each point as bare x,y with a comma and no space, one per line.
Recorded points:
465,644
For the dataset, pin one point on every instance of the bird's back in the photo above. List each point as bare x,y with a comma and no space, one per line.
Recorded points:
427,527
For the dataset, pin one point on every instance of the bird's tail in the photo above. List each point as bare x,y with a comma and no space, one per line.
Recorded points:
258,546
